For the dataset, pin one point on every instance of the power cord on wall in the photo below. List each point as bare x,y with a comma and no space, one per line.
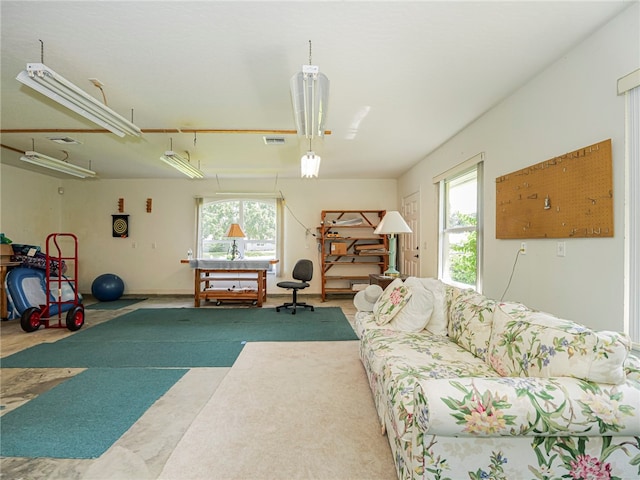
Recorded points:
306,229
515,262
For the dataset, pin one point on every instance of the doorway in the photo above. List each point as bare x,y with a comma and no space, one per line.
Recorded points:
410,242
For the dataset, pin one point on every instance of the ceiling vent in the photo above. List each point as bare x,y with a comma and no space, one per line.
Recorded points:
64,140
273,140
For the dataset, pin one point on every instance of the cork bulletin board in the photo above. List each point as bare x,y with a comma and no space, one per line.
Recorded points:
563,197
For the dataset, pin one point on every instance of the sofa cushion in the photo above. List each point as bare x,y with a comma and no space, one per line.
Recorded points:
525,343
415,315
470,322
394,297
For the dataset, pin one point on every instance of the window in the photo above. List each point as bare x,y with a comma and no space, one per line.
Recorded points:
629,85
257,218
460,227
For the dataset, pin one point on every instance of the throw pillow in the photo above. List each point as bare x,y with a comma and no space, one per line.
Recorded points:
415,315
438,323
394,297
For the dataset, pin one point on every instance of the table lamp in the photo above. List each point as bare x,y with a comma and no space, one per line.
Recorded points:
234,232
391,224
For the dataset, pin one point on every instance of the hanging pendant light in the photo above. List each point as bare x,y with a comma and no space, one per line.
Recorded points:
310,97
181,164
310,165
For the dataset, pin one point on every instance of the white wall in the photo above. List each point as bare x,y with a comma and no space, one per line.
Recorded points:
572,104
32,208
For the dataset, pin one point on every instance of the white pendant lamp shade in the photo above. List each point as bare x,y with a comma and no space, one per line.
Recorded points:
310,165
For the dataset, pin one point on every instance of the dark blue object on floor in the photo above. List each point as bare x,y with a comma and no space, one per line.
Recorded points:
107,287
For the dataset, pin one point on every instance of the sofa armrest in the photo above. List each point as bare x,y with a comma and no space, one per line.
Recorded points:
503,406
632,367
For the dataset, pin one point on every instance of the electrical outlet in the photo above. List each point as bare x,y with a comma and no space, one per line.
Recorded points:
561,249
523,248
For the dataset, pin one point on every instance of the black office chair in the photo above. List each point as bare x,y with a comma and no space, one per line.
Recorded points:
303,271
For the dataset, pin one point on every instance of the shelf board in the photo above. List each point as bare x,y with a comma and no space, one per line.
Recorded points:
356,255
366,264
340,290
346,277
362,225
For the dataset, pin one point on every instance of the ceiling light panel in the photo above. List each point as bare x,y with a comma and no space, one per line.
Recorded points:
65,140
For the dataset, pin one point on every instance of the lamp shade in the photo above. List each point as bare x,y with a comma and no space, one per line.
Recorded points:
235,231
392,222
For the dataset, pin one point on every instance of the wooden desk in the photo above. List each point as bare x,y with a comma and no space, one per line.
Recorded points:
207,272
4,269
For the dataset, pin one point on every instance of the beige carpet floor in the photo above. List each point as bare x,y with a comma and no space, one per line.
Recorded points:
287,410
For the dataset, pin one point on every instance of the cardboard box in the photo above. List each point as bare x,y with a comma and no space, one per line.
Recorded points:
338,248
6,251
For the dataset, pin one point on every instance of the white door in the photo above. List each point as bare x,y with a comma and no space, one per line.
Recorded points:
410,242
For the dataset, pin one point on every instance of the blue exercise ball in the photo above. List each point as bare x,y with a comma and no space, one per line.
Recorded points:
107,287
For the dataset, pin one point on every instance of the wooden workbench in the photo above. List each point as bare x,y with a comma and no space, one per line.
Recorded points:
208,272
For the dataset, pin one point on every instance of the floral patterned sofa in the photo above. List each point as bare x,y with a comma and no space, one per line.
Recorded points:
470,388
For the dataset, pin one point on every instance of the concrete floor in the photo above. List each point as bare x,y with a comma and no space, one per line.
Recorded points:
143,450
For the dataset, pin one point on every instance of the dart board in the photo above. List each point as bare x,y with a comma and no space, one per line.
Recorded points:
120,226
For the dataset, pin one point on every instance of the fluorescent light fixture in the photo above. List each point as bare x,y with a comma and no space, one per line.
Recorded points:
65,140
391,224
44,80
310,165
182,165
57,165
310,97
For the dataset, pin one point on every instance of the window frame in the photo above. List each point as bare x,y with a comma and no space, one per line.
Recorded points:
444,180
629,86
242,243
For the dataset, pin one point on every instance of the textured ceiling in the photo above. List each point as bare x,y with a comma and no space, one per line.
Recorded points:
405,77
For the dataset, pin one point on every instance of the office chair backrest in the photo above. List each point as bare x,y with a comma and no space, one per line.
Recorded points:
303,270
